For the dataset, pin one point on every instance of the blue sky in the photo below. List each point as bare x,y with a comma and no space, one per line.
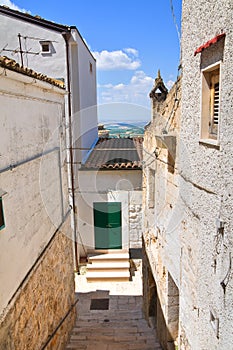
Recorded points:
130,39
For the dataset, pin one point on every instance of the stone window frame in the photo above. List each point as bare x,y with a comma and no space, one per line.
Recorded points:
210,121
2,219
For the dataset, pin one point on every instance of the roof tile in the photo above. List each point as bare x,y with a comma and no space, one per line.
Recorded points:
8,63
115,154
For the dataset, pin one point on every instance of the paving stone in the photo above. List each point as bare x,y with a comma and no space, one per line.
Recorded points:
122,327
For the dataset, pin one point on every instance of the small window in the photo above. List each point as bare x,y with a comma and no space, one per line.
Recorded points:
151,188
2,221
214,102
91,67
210,102
45,46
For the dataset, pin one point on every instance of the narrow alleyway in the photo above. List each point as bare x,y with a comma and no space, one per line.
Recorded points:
110,317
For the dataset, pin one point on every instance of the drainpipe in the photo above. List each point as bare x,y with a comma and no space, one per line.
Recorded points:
66,36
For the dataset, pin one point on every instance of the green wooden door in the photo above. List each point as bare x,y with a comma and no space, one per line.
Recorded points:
107,221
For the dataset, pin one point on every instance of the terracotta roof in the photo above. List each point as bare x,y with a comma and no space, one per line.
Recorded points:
209,43
116,154
8,63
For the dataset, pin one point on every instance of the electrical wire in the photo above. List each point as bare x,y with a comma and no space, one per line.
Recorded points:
175,21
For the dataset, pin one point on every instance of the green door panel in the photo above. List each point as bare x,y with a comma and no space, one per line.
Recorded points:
107,221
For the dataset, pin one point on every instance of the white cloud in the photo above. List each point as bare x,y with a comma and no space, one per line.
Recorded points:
136,91
131,51
12,5
117,60
169,84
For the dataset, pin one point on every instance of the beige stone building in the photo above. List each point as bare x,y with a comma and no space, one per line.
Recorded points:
36,257
188,285
160,208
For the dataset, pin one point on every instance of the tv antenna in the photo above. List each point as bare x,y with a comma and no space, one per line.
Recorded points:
20,50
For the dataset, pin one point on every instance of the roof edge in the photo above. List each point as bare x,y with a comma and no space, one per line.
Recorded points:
33,19
75,28
43,23
7,63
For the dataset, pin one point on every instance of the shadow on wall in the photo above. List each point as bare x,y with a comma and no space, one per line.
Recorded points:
166,329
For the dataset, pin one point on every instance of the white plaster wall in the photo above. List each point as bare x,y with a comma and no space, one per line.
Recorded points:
32,122
206,254
107,186
53,64
83,82
85,88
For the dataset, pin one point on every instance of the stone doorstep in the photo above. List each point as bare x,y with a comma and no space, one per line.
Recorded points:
103,280
109,257
108,274
109,265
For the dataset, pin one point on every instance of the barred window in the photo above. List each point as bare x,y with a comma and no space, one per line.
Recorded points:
210,102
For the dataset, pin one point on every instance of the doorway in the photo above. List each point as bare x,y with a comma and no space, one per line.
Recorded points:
108,223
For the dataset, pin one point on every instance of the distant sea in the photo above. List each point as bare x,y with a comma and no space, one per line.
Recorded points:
124,129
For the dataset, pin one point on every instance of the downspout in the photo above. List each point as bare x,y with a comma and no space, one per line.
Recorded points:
66,36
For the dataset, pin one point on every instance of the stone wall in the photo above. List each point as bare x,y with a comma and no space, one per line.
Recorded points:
36,258
206,307
135,220
42,301
161,251
188,231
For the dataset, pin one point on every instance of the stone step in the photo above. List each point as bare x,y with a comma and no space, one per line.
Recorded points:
109,265
109,257
108,276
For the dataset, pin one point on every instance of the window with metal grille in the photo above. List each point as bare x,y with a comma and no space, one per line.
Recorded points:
2,221
210,102
214,103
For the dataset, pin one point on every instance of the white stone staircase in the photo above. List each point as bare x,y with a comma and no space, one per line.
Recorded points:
109,267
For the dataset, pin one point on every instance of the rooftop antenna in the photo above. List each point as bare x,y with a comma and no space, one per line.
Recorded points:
20,50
